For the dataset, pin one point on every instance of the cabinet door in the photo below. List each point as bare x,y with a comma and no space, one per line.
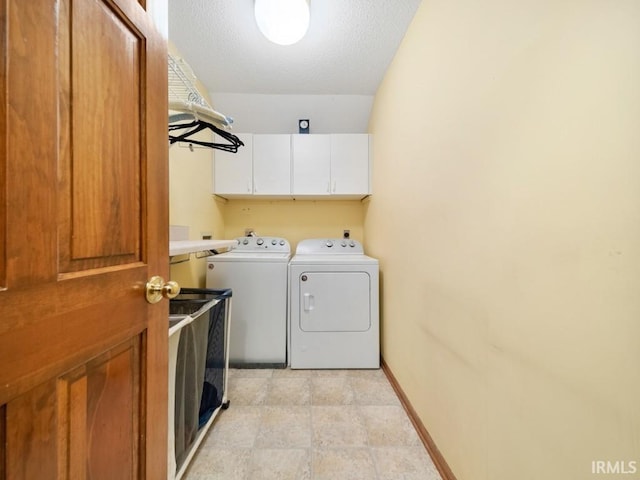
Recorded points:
233,172
349,164
311,164
272,164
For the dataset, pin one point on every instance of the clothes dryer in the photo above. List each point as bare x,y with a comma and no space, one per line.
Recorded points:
256,271
333,306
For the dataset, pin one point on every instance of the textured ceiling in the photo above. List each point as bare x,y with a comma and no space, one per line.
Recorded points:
347,49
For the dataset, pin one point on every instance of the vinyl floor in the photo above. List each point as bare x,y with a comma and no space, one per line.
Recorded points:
311,425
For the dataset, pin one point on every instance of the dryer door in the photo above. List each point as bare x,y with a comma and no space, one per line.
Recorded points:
335,301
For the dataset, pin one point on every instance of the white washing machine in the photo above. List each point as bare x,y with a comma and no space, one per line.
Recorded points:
333,306
256,271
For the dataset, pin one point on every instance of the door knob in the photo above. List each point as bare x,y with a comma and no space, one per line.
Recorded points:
156,289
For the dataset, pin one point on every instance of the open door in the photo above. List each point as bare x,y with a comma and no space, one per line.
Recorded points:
83,226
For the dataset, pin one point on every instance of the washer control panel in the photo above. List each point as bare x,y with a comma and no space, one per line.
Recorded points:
314,246
261,244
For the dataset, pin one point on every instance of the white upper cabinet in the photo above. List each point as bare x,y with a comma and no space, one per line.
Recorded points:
295,166
311,156
336,165
272,164
349,164
233,172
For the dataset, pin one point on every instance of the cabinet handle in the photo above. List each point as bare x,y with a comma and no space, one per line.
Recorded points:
334,186
329,186
248,186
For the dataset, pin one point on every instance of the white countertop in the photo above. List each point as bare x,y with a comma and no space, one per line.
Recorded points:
181,247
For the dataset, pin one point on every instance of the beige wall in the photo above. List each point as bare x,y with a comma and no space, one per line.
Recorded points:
507,145
191,202
295,220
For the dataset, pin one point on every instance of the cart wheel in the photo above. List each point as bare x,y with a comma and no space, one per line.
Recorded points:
225,405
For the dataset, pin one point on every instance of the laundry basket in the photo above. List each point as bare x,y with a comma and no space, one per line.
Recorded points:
198,339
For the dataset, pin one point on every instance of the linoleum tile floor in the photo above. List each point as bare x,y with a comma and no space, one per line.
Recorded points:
287,424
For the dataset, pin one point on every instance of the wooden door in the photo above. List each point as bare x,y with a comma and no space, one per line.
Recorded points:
83,225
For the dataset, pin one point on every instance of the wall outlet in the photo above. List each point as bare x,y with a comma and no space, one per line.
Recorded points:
206,235
346,233
248,232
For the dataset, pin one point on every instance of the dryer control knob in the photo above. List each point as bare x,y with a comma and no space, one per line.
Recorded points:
281,242
343,243
245,241
260,241
329,243
352,243
274,241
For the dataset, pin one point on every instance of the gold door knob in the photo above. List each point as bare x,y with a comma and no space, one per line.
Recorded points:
156,289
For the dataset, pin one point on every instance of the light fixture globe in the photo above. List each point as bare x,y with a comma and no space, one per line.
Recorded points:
284,22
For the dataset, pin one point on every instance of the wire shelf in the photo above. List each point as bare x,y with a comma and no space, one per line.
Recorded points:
184,96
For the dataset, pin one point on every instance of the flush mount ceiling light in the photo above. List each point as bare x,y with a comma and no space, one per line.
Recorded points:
283,22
